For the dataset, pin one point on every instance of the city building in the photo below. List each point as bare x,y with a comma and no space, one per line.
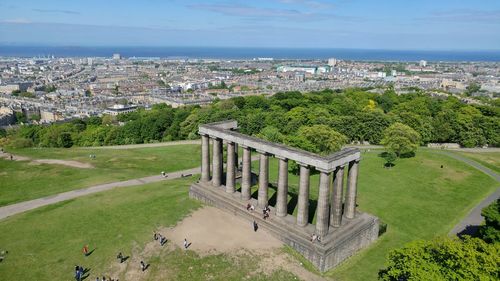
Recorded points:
120,108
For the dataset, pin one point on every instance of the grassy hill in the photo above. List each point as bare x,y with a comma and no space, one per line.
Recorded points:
417,199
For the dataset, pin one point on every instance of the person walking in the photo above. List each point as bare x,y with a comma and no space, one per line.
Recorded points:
186,245
255,226
85,250
143,266
120,257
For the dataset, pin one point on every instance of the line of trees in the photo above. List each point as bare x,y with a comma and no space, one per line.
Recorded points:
291,117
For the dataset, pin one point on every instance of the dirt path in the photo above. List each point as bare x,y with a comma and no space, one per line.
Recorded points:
143,145
69,163
212,231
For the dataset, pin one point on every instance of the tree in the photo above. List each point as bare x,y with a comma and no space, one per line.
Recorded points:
490,231
324,139
390,158
65,140
401,139
443,259
271,134
20,117
472,88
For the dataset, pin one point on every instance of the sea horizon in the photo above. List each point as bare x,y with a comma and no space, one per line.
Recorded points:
245,53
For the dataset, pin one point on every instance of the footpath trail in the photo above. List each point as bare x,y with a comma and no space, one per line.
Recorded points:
17,208
468,225
10,210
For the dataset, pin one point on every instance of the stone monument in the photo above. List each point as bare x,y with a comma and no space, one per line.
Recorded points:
342,230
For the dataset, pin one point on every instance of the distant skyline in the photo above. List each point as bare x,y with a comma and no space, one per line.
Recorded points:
360,24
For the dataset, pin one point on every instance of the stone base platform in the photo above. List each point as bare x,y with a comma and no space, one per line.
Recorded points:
339,244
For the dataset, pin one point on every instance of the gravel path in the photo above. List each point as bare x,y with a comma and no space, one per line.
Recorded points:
469,224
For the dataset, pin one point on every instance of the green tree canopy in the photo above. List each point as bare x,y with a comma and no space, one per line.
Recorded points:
490,231
401,139
324,139
443,259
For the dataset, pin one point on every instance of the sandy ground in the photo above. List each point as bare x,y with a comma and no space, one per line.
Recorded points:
69,163
213,231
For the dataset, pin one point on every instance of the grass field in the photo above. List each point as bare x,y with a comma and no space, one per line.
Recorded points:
21,180
417,199
45,244
489,159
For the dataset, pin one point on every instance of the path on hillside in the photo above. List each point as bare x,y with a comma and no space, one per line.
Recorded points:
17,208
144,145
469,224
13,209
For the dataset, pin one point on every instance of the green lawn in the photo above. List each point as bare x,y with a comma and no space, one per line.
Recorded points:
20,181
417,199
489,159
45,244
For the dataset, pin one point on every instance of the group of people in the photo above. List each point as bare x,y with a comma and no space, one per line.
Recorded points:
3,253
266,212
315,238
160,238
79,272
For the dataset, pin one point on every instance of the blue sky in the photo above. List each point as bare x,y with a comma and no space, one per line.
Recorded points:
365,24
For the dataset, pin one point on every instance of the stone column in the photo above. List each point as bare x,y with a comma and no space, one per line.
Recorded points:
217,162
336,205
303,203
205,158
230,168
322,210
282,200
352,185
246,174
263,179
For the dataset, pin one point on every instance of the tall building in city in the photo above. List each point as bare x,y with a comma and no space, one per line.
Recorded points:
423,63
117,56
332,61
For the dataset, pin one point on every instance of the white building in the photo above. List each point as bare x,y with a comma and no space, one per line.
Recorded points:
332,61
422,63
120,108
